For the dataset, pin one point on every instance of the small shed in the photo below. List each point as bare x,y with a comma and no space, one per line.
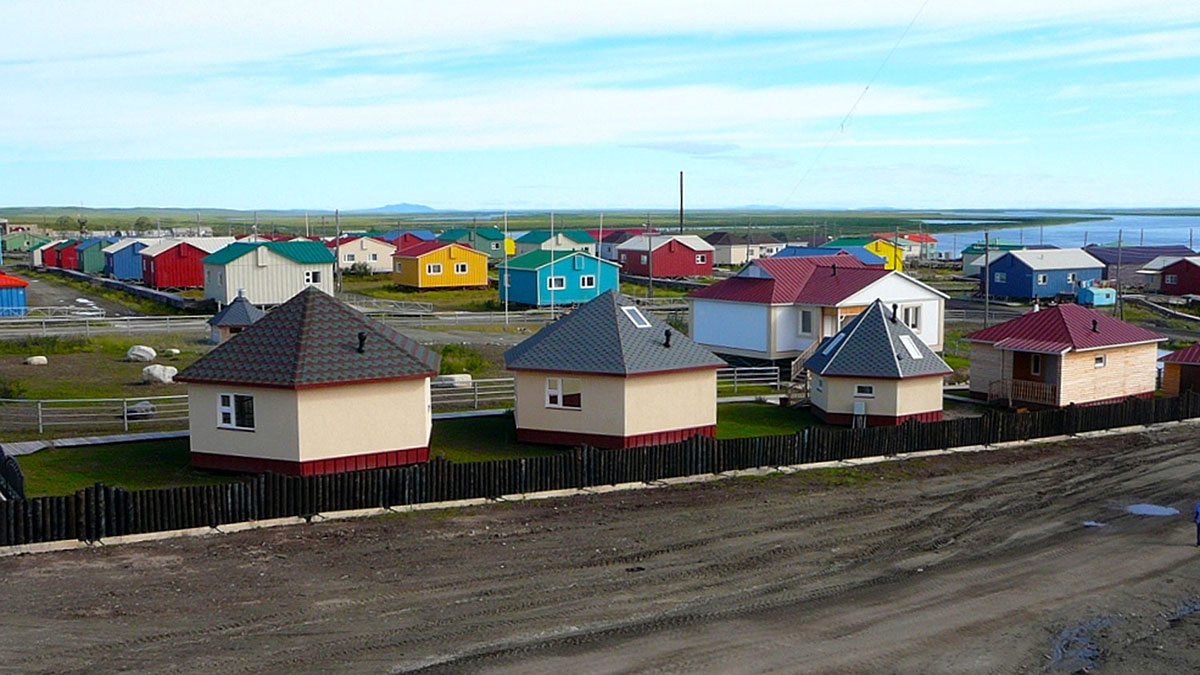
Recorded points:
37,255
89,255
876,371
123,260
1181,371
541,278
21,241
440,264
233,319
1098,296
313,387
66,256
12,295
611,376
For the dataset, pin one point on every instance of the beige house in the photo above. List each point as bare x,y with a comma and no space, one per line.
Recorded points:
313,387
1063,355
610,376
376,254
875,372
270,272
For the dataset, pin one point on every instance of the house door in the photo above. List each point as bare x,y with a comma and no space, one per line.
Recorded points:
830,327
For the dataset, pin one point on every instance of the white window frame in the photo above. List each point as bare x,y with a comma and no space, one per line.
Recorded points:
433,269
1171,279
1035,364
911,316
1100,361
587,281
643,259
374,257
495,246
1000,277
1072,278
556,283
461,268
701,258
1042,279
555,390
312,277
347,257
805,314
818,384
227,405
864,391
397,265
624,258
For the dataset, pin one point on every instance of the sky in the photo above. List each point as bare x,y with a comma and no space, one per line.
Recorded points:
526,104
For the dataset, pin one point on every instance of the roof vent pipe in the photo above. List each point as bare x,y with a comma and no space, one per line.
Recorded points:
895,307
834,266
1095,326
362,341
667,341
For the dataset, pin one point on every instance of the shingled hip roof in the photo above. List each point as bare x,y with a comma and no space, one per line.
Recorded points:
601,337
1063,328
876,344
240,312
311,341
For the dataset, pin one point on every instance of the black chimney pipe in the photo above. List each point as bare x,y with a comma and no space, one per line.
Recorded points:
1095,326
362,341
894,309
667,335
834,266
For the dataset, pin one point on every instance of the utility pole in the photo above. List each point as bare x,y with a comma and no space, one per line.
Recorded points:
255,230
504,287
1120,300
337,242
680,202
307,234
552,249
987,275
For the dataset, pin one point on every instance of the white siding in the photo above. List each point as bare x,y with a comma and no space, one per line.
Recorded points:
787,328
273,282
739,325
898,289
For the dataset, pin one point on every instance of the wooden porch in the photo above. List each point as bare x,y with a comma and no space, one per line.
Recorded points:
1023,391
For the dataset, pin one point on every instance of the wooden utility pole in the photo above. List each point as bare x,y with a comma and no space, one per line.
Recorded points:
337,255
680,202
987,275
1120,300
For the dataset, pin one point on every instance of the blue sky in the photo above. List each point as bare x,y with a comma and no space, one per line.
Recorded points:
544,105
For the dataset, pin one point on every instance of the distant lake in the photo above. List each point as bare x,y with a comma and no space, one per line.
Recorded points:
1136,230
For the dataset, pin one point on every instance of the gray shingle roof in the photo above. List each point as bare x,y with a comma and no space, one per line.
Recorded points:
599,337
237,313
870,346
310,341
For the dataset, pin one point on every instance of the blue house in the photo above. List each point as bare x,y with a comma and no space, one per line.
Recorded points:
12,295
1042,273
865,256
122,259
571,278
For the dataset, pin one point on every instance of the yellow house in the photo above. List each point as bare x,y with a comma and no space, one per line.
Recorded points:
610,376
312,387
876,371
1063,355
440,264
892,254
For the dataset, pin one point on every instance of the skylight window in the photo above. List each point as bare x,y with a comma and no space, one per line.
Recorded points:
635,315
837,339
911,347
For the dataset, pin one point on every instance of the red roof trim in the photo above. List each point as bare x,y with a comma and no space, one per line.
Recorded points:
321,385
588,372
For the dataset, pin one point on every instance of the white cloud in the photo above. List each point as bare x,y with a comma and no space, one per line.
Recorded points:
1147,88
1145,46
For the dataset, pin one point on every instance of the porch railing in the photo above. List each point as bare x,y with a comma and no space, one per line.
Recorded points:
1024,391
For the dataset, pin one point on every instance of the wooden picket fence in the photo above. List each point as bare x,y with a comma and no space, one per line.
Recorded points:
103,511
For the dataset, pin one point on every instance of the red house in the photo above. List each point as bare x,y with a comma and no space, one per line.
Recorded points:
1182,276
175,263
68,257
674,255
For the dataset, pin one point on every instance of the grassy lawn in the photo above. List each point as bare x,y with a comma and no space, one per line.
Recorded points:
477,439
91,368
742,420
458,299
136,466
639,291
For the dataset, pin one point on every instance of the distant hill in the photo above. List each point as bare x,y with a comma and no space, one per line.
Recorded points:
403,207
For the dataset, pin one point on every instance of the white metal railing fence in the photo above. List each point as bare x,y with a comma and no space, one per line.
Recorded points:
15,328
748,377
476,394
87,311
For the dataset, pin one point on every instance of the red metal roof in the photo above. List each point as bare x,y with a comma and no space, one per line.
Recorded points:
789,280
1062,328
827,289
1187,355
418,250
7,281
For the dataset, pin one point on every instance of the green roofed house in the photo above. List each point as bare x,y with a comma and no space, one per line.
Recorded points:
565,240
888,250
270,272
22,241
489,240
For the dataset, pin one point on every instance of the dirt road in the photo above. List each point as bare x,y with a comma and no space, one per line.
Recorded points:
49,294
972,563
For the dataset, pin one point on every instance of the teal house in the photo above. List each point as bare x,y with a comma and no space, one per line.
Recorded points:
487,240
90,254
570,278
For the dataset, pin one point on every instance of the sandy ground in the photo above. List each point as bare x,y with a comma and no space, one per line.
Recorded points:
973,563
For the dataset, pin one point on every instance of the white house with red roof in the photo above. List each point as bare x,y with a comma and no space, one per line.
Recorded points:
1063,355
777,309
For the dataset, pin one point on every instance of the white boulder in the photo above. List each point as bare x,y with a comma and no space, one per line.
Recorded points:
172,352
142,409
459,380
36,361
141,353
157,374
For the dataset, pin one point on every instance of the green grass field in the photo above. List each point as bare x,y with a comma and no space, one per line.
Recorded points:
135,466
743,420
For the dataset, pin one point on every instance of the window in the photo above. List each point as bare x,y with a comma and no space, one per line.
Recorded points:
587,281
1035,364
1000,277
911,347
635,315
348,257
911,316
556,283
623,258
396,266
460,268
312,277
374,257
495,246
1071,278
1171,279
1042,279
806,323
564,393
818,384
701,258
864,391
643,260
235,411
1100,361
433,269
833,343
